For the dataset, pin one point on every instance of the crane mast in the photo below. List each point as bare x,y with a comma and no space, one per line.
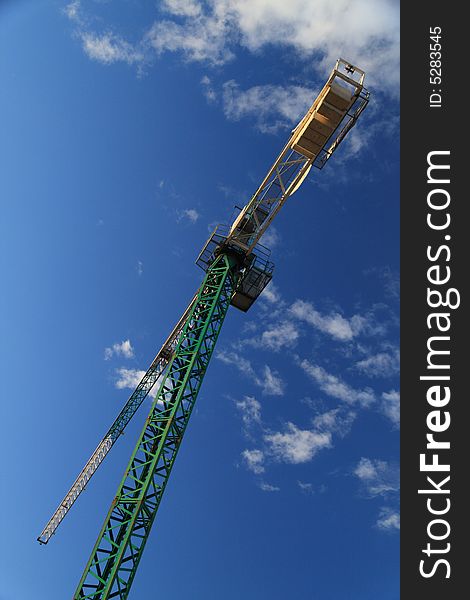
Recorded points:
237,269
113,563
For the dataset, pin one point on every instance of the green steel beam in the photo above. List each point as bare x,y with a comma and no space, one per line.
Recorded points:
111,568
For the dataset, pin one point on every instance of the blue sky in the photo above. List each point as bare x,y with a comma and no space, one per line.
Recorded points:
128,132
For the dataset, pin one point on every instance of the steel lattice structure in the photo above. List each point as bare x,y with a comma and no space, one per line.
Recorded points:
237,271
116,555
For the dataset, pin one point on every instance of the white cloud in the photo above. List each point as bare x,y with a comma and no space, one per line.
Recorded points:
267,487
271,294
296,445
381,478
254,460
208,89
271,237
109,48
123,348
234,359
72,10
335,387
190,214
273,106
373,125
277,336
307,488
140,268
269,382
389,519
333,324
365,470
383,364
199,36
293,445
185,8
365,32
250,409
391,283
390,406
128,378
335,421
378,476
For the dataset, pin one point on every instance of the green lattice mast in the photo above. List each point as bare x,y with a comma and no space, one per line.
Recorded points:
237,270
116,555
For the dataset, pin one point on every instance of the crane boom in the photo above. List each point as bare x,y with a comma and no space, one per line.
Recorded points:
333,113
117,428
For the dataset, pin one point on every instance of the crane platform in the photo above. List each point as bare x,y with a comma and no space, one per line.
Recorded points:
256,268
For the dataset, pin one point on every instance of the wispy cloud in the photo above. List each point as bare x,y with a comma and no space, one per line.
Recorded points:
208,88
389,278
374,125
275,337
109,48
382,364
292,444
267,487
183,8
139,268
389,519
188,214
335,420
378,476
123,348
271,237
269,381
305,487
200,35
273,107
391,283
333,324
254,460
73,10
128,378
390,406
250,410
271,294
279,336
335,387
295,445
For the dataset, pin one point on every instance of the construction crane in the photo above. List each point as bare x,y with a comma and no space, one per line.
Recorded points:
237,269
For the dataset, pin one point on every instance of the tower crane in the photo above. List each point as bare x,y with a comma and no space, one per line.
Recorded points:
236,270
